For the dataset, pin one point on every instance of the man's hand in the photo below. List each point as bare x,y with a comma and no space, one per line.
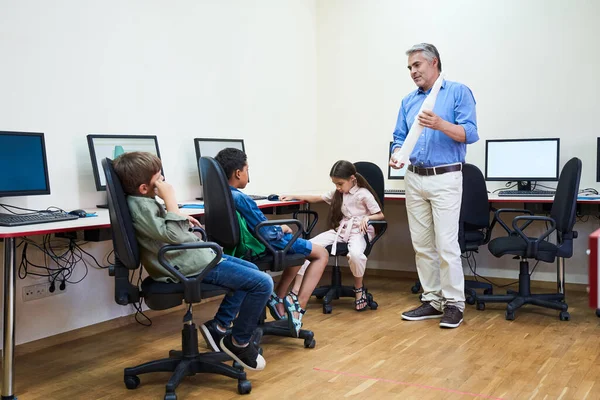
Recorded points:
429,119
286,229
394,163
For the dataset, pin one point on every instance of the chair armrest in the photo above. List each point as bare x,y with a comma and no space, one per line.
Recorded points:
202,232
383,227
278,255
191,285
498,219
306,232
533,245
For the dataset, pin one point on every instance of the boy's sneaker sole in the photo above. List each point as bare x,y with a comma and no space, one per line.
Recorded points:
214,346
260,361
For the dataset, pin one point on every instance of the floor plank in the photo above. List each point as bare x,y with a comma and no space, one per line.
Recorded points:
373,354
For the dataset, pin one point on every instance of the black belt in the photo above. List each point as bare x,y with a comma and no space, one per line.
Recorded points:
435,170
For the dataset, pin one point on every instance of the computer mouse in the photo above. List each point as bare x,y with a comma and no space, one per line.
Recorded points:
79,212
273,197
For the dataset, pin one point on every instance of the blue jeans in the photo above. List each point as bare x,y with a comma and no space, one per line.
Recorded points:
251,290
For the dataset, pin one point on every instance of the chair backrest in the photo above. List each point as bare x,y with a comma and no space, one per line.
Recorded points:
475,208
219,209
123,233
372,173
564,207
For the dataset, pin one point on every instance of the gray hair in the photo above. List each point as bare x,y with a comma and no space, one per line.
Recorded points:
429,52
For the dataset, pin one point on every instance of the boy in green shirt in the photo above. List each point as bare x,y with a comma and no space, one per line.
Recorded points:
156,225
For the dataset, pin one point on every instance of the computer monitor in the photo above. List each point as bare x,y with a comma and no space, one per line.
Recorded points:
522,160
23,164
112,146
212,147
395,173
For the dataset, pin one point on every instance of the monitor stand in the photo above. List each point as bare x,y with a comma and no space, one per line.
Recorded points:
102,205
524,185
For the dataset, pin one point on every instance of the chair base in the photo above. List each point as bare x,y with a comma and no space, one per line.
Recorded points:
188,362
281,328
336,290
516,300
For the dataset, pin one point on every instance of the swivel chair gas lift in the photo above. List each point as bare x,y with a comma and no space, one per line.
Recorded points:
372,173
161,296
474,228
518,243
222,226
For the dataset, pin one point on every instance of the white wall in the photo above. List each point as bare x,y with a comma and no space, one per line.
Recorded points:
532,66
178,70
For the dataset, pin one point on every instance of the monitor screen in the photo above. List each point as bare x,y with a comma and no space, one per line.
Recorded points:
23,164
112,146
212,147
522,159
395,173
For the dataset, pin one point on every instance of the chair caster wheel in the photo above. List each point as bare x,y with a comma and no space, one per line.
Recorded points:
488,291
244,387
470,300
170,396
509,315
310,343
373,305
238,366
131,381
598,312
564,316
480,306
319,297
414,289
327,309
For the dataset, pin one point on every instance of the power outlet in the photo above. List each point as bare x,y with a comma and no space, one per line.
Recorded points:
39,291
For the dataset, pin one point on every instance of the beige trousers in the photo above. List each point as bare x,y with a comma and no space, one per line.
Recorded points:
433,207
356,247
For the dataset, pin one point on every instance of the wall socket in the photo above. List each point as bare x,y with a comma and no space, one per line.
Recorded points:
39,291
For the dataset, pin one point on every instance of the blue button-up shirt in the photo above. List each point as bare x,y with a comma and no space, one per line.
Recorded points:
253,216
455,103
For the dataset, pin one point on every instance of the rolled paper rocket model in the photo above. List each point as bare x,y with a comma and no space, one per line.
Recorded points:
402,156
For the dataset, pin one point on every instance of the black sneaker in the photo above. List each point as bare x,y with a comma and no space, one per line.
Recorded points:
424,311
212,335
452,318
247,356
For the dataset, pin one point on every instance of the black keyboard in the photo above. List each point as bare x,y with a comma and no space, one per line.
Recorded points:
37,218
394,191
257,197
527,193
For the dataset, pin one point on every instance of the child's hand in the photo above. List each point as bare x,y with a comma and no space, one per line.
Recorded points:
286,198
193,222
286,229
364,224
164,190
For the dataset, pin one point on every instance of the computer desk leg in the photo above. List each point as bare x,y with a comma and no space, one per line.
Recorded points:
8,353
560,274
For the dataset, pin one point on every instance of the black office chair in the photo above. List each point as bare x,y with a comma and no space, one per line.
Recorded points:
222,226
372,173
161,296
518,243
474,228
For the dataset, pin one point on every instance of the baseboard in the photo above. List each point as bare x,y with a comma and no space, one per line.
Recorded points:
80,333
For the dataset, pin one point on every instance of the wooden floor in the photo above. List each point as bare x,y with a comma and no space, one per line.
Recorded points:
369,355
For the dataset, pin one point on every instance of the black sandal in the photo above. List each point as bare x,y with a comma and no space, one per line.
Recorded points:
362,301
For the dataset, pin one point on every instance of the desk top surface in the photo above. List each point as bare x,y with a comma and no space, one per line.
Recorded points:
102,220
